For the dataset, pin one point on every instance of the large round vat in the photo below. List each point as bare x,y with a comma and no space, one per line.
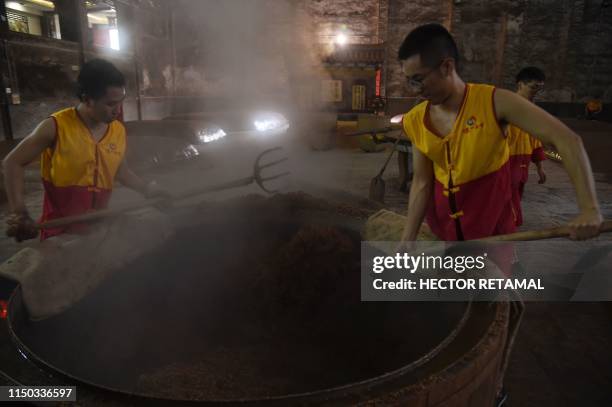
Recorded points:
259,303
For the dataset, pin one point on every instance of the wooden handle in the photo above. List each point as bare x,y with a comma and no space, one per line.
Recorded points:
131,206
370,131
103,213
384,167
562,231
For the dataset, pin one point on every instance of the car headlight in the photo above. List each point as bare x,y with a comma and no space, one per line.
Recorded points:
187,152
210,134
397,119
270,123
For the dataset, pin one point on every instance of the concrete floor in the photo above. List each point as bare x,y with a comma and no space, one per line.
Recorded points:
563,355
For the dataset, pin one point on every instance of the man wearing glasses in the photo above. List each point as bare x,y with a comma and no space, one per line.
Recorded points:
461,157
461,165
523,147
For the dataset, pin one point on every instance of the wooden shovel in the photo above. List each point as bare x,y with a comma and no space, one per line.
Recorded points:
562,231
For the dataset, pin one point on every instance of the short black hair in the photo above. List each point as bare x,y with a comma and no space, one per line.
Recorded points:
96,76
530,73
432,42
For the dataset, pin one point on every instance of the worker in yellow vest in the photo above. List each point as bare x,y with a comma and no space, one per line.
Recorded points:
461,178
524,148
81,152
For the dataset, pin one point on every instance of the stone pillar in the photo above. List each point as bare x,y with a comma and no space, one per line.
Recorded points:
73,24
5,116
383,31
3,20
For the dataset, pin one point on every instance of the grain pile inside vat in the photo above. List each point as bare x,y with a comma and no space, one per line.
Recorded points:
294,283
252,298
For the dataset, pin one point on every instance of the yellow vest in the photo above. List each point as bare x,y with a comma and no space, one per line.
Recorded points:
472,190
77,172
520,142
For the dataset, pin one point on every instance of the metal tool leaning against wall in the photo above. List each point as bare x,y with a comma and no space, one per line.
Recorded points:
82,152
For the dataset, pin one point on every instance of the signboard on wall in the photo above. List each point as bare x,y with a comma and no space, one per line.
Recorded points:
331,90
359,97
17,22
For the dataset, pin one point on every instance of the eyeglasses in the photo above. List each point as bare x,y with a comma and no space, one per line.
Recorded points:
418,83
536,86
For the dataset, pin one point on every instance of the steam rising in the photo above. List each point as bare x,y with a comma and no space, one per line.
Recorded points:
244,56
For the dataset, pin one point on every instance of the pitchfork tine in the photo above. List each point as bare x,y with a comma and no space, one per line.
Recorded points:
268,151
259,167
284,174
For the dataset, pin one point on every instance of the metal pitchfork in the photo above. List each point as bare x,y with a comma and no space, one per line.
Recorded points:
257,177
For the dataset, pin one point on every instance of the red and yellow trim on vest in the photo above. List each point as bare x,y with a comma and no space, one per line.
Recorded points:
472,193
77,172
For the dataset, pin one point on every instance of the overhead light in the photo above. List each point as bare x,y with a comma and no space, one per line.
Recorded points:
13,5
341,39
114,38
95,19
43,3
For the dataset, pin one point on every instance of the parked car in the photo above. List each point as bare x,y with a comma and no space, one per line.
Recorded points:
236,123
157,143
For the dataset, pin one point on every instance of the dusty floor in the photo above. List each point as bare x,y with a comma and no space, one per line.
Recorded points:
563,355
